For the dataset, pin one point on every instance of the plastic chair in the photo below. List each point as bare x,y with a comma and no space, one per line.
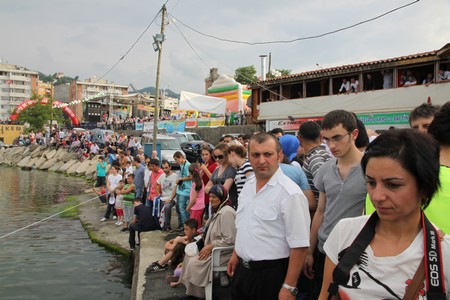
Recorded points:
215,267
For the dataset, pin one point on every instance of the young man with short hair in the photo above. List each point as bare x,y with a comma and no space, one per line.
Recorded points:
309,134
421,117
342,188
184,184
139,174
167,188
156,172
142,221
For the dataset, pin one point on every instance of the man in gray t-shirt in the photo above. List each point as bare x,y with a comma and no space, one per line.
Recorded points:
341,185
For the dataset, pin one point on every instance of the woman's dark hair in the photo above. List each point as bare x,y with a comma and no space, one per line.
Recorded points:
210,150
116,163
194,170
440,127
418,153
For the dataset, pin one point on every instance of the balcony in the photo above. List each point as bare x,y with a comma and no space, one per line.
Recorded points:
390,100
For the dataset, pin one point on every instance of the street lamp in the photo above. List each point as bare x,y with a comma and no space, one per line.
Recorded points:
158,40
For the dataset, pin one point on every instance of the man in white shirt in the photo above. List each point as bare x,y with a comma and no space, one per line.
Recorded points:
345,86
354,85
167,184
94,149
272,223
444,75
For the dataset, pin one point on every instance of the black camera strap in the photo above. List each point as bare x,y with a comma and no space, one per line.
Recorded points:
434,269
432,254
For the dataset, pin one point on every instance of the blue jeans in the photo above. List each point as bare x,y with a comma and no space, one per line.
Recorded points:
182,204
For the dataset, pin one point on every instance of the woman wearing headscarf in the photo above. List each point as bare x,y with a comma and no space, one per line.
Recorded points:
220,232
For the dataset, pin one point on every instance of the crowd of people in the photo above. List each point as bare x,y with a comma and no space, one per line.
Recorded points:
295,208
82,142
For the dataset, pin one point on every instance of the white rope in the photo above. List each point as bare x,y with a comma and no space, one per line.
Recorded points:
47,218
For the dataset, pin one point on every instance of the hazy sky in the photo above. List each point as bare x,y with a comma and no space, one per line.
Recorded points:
87,37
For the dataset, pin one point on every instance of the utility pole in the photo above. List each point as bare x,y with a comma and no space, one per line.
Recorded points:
159,39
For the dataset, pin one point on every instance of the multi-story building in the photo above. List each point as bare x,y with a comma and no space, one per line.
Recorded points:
381,96
92,88
17,84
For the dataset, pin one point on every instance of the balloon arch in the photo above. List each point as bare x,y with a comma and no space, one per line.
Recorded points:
56,104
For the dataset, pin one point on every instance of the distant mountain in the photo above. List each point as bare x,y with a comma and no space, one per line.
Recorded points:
152,91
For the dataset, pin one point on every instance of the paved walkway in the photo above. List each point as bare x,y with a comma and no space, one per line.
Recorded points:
145,287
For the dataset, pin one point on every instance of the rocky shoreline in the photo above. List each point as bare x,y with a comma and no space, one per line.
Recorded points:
47,158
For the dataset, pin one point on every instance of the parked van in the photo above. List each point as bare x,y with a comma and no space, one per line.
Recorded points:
169,145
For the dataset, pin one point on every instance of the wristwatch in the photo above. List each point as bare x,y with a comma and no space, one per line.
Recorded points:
292,289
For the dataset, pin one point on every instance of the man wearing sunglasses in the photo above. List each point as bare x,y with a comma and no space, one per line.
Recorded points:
341,185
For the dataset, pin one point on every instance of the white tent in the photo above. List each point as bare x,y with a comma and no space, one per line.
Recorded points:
191,101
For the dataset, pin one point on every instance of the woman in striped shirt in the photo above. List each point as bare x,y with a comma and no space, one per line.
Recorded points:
237,155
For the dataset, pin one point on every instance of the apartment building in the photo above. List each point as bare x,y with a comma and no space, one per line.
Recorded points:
90,89
17,84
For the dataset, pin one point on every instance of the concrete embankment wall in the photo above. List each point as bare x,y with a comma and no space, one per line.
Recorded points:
212,135
103,233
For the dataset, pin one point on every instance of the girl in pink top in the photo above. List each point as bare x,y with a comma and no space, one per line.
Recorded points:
197,196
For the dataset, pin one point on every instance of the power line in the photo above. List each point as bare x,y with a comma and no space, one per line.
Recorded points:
131,47
300,38
184,37
249,79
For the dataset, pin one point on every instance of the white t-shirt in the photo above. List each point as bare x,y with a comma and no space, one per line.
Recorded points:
372,276
168,184
147,174
114,181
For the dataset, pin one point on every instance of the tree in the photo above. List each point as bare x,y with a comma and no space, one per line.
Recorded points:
284,72
274,73
245,75
40,114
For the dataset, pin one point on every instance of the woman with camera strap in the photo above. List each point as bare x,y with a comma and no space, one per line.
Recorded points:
380,256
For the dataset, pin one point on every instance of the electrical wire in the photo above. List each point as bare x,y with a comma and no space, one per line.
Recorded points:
131,47
203,61
300,38
184,37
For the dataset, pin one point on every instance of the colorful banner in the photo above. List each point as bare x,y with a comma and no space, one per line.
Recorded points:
139,126
56,104
123,112
191,123
169,126
211,122
384,118
289,124
9,132
145,108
